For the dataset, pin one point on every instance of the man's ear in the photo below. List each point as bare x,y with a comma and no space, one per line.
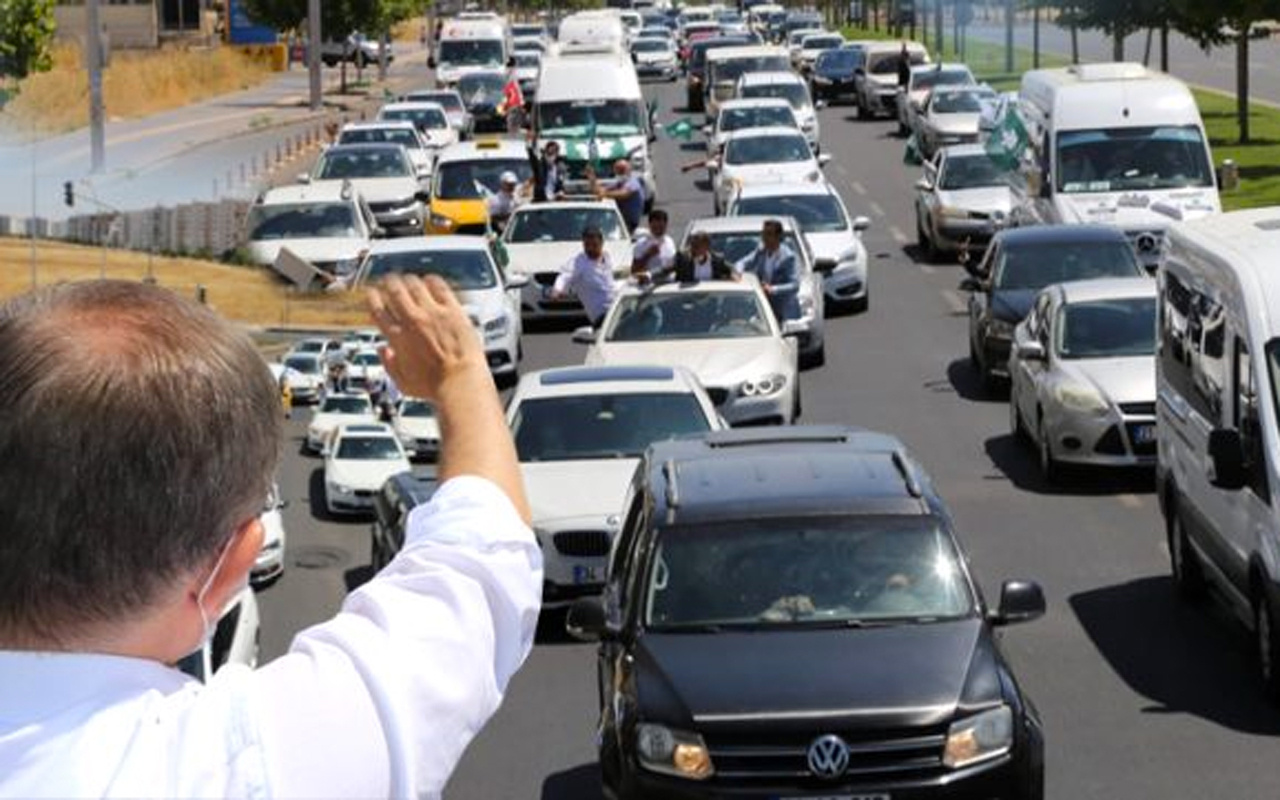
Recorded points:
242,552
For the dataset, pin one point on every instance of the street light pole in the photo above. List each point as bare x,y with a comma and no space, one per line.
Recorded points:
95,60
313,53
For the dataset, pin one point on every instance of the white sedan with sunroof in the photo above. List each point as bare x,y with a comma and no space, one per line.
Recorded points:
764,156
722,331
579,433
358,459
336,410
490,296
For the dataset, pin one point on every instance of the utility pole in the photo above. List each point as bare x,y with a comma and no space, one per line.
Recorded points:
313,53
95,60
939,35
1008,36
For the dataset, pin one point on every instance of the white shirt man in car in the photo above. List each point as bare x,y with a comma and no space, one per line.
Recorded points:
589,277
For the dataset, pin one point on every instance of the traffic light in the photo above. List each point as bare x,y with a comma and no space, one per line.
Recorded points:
68,193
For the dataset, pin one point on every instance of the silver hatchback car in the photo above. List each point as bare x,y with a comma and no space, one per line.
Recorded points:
1082,374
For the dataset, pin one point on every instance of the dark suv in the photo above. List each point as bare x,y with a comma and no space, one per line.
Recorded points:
391,506
788,614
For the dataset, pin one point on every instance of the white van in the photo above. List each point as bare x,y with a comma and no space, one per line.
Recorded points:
726,64
469,45
593,31
1217,426
1114,143
600,93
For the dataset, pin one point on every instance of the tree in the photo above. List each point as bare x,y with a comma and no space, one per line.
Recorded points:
1222,21
26,36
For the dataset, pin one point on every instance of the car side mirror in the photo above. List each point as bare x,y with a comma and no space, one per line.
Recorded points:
378,233
792,327
1020,601
431,62
970,284
861,224
820,104
707,130
282,504
824,159
586,621
511,62
584,335
1226,451
924,185
422,196
517,281
1031,351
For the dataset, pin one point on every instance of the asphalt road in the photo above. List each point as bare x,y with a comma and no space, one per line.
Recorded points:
1214,69
1141,697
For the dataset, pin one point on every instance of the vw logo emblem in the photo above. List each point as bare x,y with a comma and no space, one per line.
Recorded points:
828,756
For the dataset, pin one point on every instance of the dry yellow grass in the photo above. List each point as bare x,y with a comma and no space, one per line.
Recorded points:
136,84
408,30
251,295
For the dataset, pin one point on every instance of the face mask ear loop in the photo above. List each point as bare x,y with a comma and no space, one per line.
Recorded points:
204,589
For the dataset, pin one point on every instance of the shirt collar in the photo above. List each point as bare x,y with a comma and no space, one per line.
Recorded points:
35,684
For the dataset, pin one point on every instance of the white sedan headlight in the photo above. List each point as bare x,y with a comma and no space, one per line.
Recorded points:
339,488
979,738
764,386
497,327
1080,398
664,750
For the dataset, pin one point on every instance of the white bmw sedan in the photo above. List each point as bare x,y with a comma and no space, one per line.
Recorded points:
357,461
764,155
721,331
335,410
579,432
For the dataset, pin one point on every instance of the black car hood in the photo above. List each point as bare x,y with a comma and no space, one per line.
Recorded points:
914,674
1012,305
836,73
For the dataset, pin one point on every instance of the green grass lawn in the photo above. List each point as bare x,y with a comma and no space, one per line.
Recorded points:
1259,161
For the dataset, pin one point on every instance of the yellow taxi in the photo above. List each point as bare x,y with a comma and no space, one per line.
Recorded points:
465,174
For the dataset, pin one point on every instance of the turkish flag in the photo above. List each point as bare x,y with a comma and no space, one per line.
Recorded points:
512,97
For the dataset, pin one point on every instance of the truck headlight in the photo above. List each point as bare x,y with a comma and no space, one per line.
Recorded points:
1081,398
672,752
764,386
979,738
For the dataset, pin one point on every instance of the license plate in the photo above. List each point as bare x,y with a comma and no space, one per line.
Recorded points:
583,574
836,797
1144,434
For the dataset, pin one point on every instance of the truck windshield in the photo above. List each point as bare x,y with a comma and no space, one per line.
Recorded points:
1132,159
579,119
471,52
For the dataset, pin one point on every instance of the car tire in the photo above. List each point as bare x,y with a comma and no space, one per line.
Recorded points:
1016,428
1267,639
928,250
797,407
1050,468
814,359
1184,564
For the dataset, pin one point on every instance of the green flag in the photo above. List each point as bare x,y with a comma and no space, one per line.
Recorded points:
1008,140
681,129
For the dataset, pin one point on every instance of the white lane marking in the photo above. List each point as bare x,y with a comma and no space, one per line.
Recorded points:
1129,500
876,208
955,301
928,269
859,188
897,234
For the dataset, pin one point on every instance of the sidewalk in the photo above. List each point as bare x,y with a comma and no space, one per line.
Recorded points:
222,147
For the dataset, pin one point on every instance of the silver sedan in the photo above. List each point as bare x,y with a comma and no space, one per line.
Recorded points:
961,201
1082,376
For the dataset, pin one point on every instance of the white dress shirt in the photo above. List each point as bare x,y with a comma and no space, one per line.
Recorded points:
379,701
664,259
702,270
591,281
